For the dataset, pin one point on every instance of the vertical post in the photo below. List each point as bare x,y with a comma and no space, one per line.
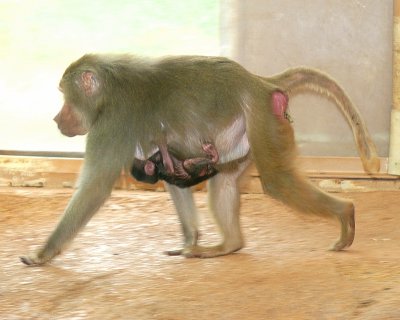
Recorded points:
394,149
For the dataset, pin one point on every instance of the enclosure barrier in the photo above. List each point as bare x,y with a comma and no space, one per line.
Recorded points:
394,148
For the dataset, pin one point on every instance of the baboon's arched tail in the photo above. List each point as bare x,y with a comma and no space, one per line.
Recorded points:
301,79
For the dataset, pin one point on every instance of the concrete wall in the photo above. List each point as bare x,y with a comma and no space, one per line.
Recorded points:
349,39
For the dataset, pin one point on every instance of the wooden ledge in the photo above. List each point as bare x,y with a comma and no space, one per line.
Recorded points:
330,173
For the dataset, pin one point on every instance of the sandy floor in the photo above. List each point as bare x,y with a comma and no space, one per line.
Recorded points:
116,269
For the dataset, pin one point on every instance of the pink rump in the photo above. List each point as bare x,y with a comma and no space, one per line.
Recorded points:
279,104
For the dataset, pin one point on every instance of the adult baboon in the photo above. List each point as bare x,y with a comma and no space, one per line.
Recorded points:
131,107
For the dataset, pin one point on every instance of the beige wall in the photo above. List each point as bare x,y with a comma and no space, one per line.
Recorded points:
349,39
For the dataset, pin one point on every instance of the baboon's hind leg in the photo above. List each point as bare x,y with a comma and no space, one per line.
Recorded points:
224,204
294,190
274,151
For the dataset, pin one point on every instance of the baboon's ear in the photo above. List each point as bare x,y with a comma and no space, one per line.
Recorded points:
89,83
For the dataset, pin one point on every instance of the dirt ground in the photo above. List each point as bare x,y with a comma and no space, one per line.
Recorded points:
116,269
